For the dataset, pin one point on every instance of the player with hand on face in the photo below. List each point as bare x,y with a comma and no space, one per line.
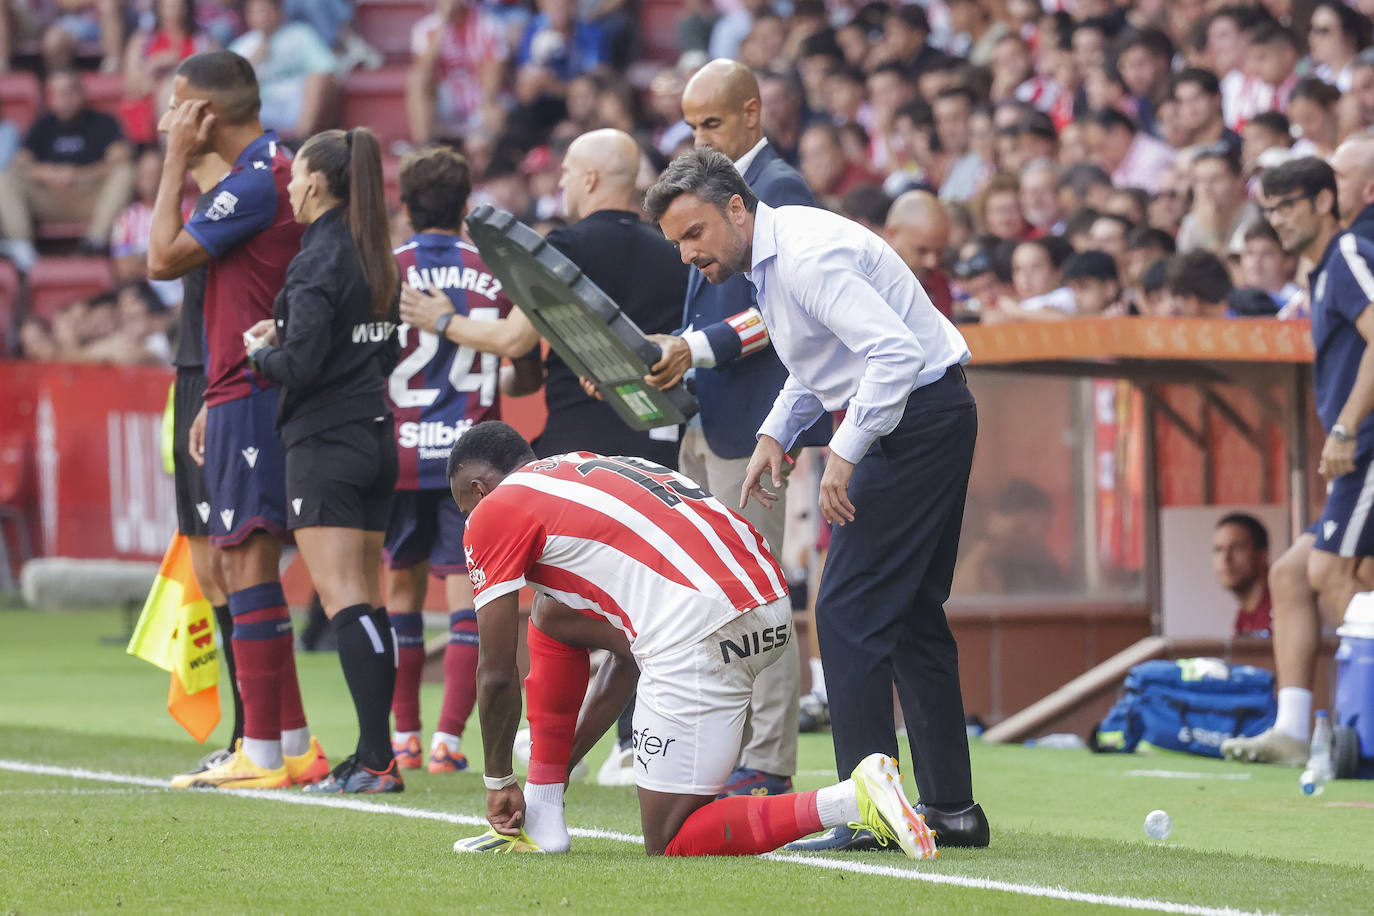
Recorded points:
631,557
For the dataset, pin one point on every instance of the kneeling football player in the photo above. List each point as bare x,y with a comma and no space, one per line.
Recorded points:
637,559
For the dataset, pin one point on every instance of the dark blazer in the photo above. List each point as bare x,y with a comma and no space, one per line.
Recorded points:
737,394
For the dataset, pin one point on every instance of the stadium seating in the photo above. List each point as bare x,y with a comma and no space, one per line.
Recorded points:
104,91
377,99
57,281
658,21
20,97
10,286
386,24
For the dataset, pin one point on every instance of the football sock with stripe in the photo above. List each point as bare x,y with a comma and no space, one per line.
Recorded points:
292,708
368,658
225,621
750,825
261,645
460,672
409,632
554,689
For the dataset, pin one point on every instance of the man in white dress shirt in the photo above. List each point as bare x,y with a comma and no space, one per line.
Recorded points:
857,333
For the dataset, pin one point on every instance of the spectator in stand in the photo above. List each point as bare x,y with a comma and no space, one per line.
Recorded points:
984,277
1358,111
784,115
75,165
1034,137
1313,110
1040,197
1224,53
1265,131
997,208
1089,42
825,168
65,26
1092,277
1131,204
1198,94
1240,558
1220,210
557,41
1155,301
1037,294
1108,234
1273,57
1198,285
1143,56
917,228
458,59
966,169
149,59
1083,185
1121,148
867,205
1265,266
1012,556
1013,72
975,31
889,89
295,69
1336,34
129,237
1145,245
732,28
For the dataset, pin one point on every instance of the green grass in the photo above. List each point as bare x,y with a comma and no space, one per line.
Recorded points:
1061,819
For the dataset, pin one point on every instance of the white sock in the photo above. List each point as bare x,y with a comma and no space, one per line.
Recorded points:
838,805
295,741
453,742
544,820
1295,712
265,753
403,737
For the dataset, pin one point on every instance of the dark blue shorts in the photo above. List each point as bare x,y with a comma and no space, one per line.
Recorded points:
426,525
245,469
1346,527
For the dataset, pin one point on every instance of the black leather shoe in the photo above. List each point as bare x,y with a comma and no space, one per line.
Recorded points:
841,839
967,827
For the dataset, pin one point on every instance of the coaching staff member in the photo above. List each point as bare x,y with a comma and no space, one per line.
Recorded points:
336,322
858,333
737,376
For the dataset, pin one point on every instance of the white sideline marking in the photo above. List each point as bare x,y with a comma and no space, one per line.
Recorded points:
864,868
1185,774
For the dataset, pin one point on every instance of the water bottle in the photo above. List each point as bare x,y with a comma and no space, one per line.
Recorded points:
1318,772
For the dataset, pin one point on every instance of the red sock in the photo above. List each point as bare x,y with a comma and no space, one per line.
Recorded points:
554,689
746,825
460,673
261,650
410,664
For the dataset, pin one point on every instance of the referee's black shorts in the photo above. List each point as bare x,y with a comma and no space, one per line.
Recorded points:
342,477
193,499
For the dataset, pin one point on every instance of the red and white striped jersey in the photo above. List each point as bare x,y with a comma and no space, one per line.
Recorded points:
623,539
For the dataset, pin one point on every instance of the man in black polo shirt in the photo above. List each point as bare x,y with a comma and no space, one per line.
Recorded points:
75,165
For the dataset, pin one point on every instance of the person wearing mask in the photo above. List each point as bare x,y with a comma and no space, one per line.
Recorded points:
329,345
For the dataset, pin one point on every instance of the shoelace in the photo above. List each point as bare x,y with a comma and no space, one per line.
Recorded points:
882,838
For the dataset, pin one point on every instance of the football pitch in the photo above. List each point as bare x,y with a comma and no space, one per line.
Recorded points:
86,746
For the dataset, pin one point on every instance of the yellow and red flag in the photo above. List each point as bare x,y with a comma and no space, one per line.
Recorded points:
176,632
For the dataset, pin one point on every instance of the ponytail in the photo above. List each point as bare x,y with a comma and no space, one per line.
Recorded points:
351,162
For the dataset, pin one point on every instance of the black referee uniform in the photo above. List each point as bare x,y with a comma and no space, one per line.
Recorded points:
331,362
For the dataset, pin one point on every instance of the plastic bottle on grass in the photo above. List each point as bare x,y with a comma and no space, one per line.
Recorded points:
1318,772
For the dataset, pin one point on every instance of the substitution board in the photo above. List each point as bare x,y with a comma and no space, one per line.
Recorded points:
582,324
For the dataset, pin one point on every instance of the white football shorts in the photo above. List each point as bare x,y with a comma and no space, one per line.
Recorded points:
691,705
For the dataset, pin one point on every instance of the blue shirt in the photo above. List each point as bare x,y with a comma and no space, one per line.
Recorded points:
849,321
1342,288
585,51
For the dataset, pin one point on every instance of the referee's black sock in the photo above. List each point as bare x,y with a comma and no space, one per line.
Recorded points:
369,664
225,621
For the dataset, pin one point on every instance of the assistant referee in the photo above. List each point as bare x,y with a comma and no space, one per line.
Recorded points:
336,317
858,333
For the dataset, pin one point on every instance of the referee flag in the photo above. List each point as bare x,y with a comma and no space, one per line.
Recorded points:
176,632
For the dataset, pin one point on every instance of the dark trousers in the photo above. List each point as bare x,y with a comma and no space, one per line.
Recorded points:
880,612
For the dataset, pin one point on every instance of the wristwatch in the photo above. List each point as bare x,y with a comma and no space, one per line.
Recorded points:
1340,433
442,321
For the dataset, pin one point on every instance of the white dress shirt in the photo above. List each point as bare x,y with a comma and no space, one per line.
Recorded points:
849,321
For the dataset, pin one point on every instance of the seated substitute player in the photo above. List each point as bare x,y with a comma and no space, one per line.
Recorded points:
247,236
637,559
438,390
336,320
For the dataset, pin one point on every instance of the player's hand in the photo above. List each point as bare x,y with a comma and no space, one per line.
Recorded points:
1338,458
589,386
767,457
506,810
676,360
188,129
835,504
421,308
195,438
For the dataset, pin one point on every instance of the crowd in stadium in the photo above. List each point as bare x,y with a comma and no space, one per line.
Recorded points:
1052,134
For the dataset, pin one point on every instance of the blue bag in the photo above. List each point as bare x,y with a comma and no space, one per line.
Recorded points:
1192,704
